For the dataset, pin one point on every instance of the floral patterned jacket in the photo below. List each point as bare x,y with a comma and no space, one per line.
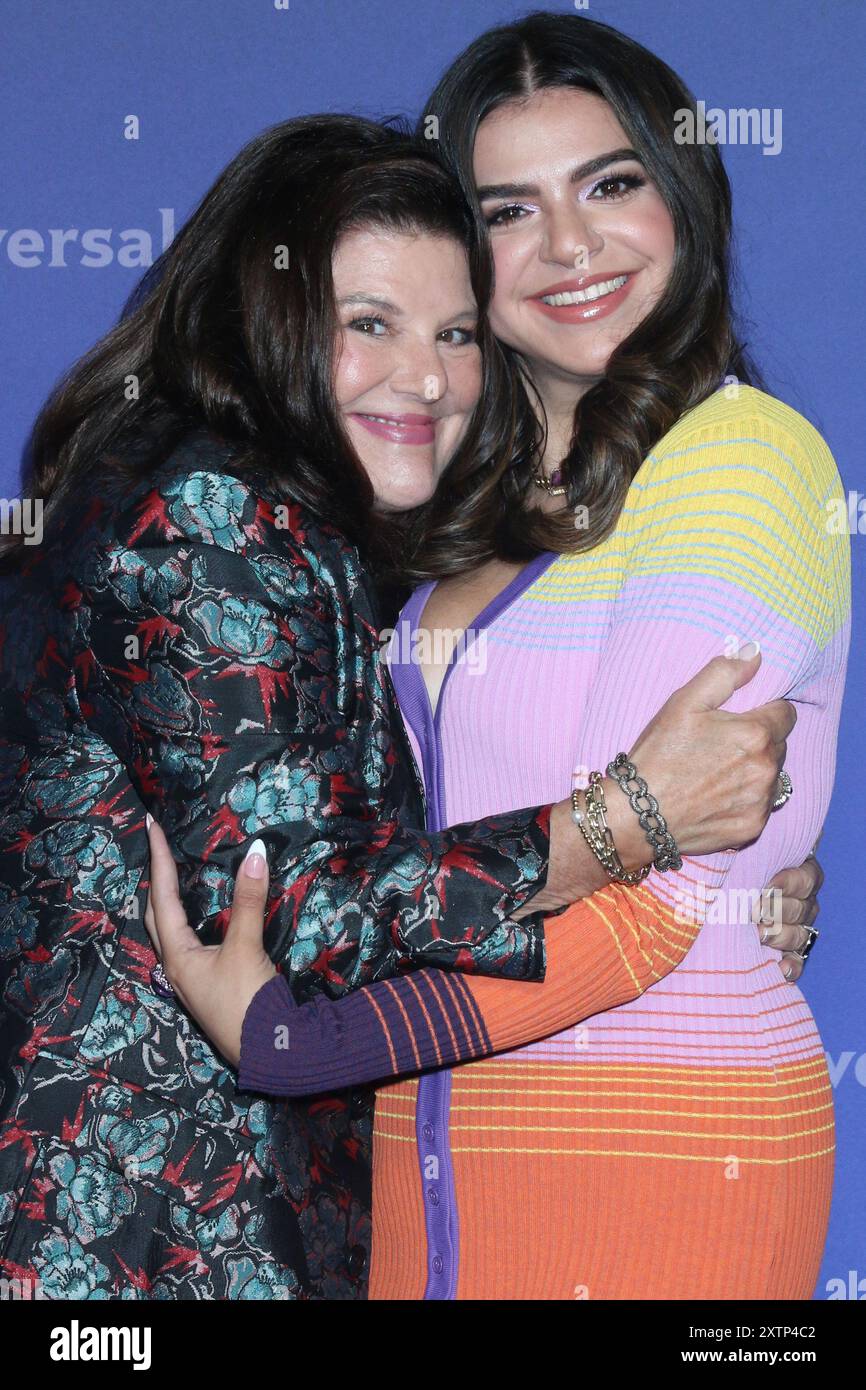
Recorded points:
187,644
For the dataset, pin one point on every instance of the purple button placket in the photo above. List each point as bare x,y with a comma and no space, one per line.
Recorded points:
434,1088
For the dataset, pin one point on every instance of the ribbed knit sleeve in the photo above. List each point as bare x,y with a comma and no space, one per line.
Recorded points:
729,538
601,952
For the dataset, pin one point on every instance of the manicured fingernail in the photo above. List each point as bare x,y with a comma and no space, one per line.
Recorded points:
787,971
254,859
148,819
749,649
770,931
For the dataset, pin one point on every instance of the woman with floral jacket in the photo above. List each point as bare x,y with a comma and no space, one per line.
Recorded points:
198,636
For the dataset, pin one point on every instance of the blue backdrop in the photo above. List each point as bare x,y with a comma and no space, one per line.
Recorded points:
82,207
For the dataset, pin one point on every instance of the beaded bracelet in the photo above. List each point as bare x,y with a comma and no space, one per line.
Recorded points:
653,823
592,823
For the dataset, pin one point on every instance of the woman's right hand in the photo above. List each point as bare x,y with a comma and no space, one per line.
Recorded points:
714,774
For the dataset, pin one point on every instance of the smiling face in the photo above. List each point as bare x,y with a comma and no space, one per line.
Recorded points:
582,240
408,367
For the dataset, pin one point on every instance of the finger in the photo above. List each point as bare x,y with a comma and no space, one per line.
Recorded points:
152,928
718,679
172,928
783,936
819,883
798,882
779,716
810,872
799,911
246,927
792,968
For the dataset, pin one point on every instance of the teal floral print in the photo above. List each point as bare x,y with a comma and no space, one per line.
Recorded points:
187,643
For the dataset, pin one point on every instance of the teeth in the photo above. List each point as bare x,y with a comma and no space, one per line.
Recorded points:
585,296
385,420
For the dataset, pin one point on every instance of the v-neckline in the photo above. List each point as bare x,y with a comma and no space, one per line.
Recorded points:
488,614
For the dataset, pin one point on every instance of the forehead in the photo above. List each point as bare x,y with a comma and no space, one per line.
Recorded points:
542,132
379,257
383,249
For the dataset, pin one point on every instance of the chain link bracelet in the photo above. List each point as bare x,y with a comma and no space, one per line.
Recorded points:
593,825
652,822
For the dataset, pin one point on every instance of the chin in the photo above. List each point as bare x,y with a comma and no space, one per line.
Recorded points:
404,499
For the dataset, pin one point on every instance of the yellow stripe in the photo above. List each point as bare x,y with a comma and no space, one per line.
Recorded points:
627,1129
771,1117
750,470
626,1154
612,1071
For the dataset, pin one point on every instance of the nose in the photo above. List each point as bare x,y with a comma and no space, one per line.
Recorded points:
420,371
569,238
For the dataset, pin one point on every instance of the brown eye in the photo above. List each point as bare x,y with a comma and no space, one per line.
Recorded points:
617,186
459,337
503,217
368,325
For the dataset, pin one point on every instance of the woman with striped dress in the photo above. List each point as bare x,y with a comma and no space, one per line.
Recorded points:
657,1122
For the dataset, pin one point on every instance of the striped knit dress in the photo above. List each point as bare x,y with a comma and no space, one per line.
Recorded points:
679,1145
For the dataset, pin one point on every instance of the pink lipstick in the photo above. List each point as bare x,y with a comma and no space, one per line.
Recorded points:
399,429
584,298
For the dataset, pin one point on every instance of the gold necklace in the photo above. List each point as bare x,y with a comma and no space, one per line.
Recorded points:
551,484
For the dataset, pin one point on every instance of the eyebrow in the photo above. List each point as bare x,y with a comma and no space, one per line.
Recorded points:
583,171
470,312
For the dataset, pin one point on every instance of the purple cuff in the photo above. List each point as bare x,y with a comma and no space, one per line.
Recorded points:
391,1028
270,1010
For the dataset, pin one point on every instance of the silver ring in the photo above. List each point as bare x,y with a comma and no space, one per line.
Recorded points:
785,791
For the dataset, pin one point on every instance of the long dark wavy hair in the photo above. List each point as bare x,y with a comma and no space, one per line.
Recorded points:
234,329
676,357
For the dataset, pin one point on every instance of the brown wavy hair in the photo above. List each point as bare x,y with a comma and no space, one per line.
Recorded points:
218,335
676,357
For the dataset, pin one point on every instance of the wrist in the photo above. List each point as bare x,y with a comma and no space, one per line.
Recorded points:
632,845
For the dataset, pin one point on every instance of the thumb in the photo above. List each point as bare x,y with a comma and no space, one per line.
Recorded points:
716,682
246,926
172,928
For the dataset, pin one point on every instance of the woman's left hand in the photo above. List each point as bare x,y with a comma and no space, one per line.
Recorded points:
215,984
790,905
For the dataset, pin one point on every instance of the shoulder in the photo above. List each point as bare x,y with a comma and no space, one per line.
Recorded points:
204,497
205,509
743,435
209,491
742,489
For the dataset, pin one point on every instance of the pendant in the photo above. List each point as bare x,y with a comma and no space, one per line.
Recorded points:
551,485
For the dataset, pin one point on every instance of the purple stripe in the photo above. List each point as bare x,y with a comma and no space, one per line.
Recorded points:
434,1089
459,1012
403,1036
474,1018
424,1039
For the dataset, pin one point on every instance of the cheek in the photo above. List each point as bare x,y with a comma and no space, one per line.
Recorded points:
465,381
508,260
652,233
358,367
